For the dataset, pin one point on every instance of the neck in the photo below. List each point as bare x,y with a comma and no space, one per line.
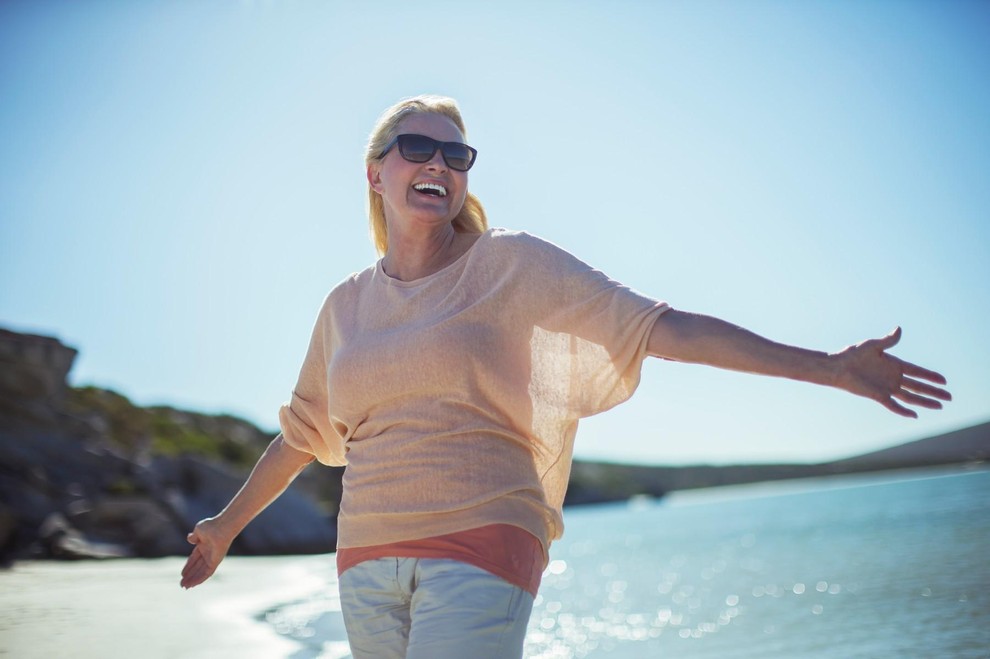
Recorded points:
417,254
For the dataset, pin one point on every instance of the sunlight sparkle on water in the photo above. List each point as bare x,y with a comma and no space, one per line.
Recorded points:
693,597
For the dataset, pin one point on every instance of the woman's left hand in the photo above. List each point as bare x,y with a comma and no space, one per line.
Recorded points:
866,369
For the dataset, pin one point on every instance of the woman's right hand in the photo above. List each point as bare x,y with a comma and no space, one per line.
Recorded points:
211,545
275,470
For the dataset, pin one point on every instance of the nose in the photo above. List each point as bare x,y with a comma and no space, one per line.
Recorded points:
437,163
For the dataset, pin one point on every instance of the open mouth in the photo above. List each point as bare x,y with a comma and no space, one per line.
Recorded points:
431,189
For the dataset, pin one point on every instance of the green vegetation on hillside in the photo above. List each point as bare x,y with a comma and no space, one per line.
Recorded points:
166,431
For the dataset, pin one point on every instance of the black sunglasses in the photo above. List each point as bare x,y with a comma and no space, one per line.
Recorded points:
420,148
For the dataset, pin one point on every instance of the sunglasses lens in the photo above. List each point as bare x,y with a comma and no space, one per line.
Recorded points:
458,156
420,148
417,148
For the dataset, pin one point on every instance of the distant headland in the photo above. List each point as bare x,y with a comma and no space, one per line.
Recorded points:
85,473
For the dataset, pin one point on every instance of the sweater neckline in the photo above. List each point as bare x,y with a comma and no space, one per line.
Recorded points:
452,266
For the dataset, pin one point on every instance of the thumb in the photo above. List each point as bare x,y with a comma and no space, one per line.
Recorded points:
891,339
192,538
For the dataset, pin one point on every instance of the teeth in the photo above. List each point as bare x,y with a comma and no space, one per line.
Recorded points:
442,191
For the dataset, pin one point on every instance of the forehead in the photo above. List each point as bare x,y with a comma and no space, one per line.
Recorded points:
432,125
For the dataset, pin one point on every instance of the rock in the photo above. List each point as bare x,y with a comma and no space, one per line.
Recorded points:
292,524
62,540
139,523
32,377
8,532
86,473
33,366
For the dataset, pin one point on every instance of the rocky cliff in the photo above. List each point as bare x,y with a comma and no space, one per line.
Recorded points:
85,473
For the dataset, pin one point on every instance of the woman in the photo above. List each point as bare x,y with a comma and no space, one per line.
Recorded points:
450,377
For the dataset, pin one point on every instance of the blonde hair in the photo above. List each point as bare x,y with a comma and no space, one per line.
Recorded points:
470,219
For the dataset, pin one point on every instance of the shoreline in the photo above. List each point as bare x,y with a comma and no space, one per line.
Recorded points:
264,607
135,607
803,484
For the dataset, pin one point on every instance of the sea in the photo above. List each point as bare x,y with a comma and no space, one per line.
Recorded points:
874,566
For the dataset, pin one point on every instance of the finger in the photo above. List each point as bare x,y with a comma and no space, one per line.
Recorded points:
920,401
919,372
194,579
925,388
191,581
891,340
198,572
191,562
187,581
892,405
192,538
197,562
187,577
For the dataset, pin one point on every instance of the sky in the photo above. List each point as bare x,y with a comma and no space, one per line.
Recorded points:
181,183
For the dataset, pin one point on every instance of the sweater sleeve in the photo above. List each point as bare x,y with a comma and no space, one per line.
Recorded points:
305,419
590,336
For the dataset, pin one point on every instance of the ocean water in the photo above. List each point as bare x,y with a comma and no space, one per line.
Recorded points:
893,565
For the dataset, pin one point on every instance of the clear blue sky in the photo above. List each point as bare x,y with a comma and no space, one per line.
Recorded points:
181,183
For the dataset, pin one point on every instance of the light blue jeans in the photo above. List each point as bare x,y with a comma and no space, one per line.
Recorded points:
426,608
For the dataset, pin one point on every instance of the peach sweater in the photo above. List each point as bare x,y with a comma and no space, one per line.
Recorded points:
454,399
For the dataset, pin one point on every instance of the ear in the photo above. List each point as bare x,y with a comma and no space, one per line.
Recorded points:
375,177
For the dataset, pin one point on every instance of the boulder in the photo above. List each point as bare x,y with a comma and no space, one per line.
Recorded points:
61,540
144,526
292,524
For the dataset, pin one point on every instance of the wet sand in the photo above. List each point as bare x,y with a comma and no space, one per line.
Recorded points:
135,608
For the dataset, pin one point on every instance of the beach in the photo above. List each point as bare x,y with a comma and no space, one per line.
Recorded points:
135,608
865,566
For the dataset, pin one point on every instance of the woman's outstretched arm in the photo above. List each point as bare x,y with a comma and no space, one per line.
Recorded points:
275,470
865,369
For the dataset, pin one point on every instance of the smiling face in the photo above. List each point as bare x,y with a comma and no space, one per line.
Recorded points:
427,194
